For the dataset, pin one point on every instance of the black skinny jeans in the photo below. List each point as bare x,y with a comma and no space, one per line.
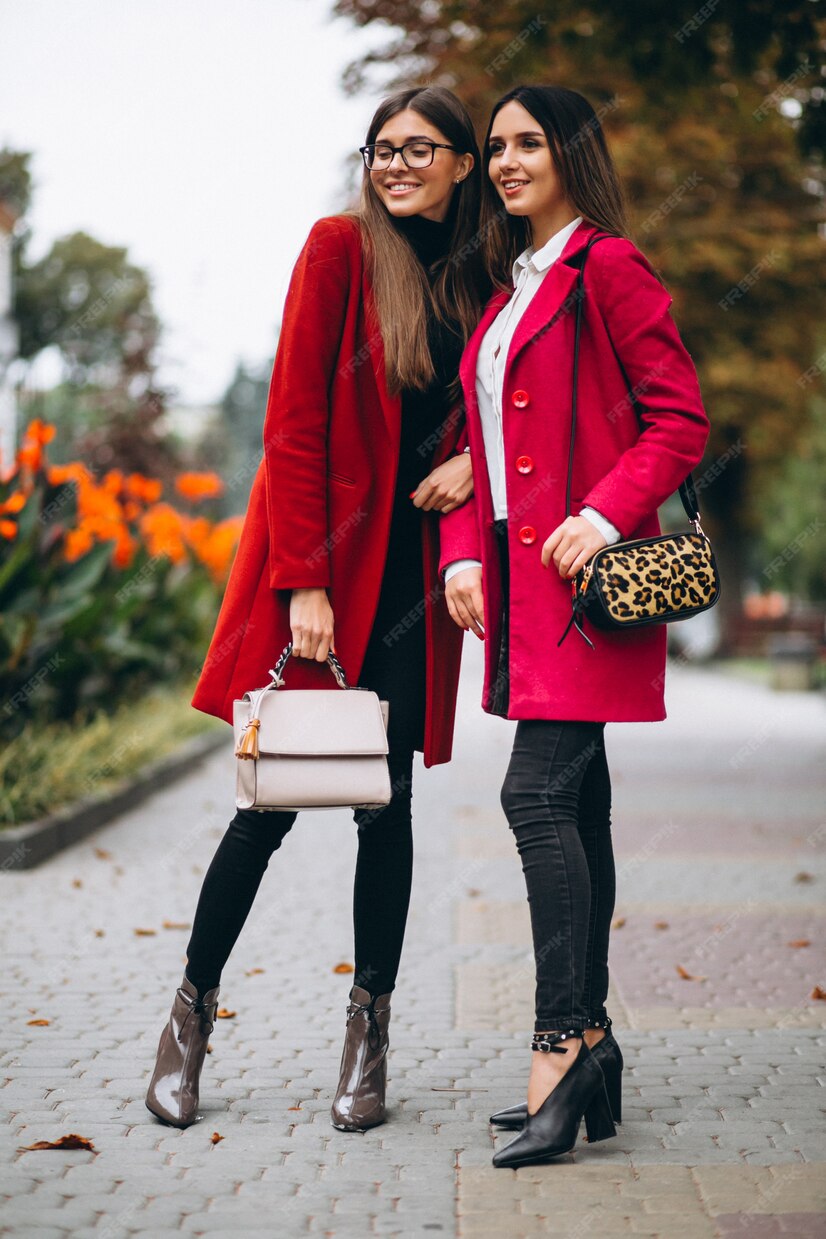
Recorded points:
394,667
557,799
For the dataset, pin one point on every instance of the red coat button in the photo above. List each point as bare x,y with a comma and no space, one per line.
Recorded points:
520,399
524,464
527,535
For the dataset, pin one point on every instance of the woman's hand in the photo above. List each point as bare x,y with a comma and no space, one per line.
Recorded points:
571,545
446,487
311,621
465,602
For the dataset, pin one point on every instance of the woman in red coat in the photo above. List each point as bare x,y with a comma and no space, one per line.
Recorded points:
510,552
339,551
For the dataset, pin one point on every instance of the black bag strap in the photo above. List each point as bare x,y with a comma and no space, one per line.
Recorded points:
687,493
277,672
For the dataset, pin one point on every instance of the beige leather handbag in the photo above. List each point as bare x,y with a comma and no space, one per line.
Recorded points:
311,748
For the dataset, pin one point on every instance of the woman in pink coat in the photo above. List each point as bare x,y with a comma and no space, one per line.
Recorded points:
510,552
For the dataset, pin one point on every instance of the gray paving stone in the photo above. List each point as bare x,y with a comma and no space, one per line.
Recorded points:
707,1098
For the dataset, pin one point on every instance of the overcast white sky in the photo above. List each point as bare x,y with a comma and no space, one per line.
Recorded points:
206,137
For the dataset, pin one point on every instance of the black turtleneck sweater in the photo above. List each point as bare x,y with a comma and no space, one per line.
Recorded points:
423,412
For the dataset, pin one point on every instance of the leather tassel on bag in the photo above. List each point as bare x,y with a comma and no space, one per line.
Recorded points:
248,748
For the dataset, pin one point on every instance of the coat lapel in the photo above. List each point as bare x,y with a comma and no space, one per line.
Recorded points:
467,367
554,297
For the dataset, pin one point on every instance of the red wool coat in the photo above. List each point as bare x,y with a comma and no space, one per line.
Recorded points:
321,503
627,462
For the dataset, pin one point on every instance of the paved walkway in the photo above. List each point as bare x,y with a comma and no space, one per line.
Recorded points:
720,833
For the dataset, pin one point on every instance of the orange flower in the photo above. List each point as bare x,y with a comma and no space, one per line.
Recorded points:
196,486
14,503
30,452
74,471
8,529
131,510
78,542
138,486
125,549
39,431
217,548
112,481
198,531
163,532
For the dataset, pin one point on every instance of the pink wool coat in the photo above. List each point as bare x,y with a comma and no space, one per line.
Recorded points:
630,456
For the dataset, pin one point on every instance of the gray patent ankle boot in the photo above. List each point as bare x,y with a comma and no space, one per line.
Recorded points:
360,1097
173,1090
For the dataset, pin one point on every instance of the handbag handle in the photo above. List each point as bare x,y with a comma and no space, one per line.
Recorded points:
248,746
687,493
332,662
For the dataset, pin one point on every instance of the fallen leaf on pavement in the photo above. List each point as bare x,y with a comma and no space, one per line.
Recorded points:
38,1022
145,933
215,1137
209,1047
223,1014
252,972
102,854
293,1107
341,968
661,924
803,876
798,942
99,933
77,883
175,925
71,1141
618,922
686,975
818,993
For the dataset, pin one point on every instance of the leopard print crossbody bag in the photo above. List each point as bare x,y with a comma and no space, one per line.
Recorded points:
645,580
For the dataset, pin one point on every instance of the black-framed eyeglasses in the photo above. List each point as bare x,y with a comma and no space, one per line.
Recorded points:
418,154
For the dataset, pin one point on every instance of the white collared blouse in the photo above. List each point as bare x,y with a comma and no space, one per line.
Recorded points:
529,271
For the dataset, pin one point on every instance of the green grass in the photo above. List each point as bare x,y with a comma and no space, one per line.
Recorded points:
45,768
759,670
756,669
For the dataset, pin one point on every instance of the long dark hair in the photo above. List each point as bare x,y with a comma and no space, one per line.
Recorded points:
401,292
583,164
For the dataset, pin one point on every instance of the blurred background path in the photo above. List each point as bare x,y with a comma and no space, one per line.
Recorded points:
720,834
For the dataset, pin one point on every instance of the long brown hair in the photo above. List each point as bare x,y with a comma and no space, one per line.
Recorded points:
401,292
583,163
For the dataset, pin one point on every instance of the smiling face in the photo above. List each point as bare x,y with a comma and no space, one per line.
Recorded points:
417,191
522,171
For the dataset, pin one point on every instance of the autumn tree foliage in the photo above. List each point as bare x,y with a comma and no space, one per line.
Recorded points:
715,116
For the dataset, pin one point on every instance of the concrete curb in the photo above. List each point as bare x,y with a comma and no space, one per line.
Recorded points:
24,847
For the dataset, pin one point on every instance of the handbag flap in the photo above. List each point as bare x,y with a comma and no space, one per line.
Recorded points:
336,722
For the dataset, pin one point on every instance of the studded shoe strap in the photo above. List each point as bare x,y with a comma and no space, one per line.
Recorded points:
547,1042
606,1023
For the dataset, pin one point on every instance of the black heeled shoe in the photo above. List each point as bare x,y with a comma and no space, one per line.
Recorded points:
608,1055
553,1130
